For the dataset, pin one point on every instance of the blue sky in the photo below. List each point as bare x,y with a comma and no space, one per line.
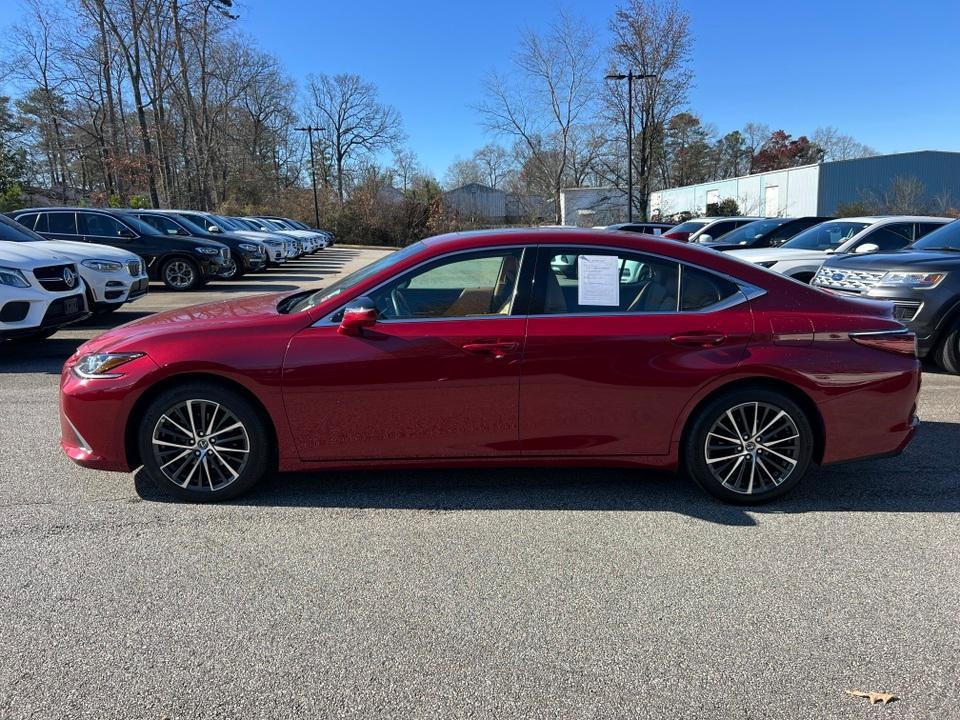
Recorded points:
885,72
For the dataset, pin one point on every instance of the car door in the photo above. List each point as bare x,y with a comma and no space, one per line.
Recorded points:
59,225
610,379
436,376
103,230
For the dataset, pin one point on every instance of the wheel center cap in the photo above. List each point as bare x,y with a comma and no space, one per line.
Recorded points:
751,447
203,443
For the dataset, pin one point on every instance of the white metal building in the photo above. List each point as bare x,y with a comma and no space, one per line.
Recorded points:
819,189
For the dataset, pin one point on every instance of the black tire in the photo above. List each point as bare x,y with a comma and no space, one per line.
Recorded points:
772,476
947,355
166,419
180,274
238,269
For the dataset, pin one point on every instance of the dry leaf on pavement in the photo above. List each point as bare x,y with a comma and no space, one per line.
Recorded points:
874,697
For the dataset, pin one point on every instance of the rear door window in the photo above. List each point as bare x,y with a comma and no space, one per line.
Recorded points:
28,221
97,225
616,281
63,223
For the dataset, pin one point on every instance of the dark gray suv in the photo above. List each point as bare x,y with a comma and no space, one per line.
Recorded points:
922,281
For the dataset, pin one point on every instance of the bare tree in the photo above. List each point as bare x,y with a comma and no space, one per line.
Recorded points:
462,172
406,166
495,164
837,146
351,120
551,90
651,37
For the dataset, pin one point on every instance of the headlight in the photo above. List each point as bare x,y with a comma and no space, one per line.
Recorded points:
768,263
917,280
102,265
100,365
207,250
248,247
13,278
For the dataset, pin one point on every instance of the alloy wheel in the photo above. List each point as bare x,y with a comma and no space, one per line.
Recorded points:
753,448
179,274
200,445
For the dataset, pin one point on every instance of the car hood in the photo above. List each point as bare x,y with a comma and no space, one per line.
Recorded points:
227,316
30,254
757,255
900,260
257,235
78,251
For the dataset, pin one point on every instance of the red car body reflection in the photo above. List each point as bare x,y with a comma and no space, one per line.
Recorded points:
511,389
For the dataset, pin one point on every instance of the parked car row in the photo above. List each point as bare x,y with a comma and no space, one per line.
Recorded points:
911,261
110,256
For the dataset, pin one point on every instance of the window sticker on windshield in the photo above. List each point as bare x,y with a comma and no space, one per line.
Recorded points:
599,280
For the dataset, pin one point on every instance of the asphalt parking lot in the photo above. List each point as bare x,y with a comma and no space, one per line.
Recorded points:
508,593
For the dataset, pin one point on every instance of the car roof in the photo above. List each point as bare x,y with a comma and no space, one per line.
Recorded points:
873,219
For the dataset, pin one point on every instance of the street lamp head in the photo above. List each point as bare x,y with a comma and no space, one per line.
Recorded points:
615,76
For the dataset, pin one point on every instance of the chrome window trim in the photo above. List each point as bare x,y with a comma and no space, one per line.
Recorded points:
748,291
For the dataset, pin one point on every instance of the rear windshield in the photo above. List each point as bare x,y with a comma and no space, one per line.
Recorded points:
825,236
745,233
689,226
944,238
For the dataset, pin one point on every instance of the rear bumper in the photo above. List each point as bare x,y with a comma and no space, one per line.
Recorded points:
878,420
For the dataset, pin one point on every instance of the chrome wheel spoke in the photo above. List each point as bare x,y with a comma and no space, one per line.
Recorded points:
200,445
752,447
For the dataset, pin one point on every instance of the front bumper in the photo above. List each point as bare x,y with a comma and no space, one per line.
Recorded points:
94,414
43,311
922,311
116,288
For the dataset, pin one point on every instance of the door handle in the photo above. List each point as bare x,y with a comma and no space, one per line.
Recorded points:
699,339
494,349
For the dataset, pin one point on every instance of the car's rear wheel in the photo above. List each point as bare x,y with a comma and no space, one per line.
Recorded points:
749,446
180,273
203,442
947,355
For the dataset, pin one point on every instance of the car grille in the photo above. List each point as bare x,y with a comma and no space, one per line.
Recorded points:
135,268
57,277
857,281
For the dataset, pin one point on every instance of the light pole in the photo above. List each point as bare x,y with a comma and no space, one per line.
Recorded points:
313,174
629,77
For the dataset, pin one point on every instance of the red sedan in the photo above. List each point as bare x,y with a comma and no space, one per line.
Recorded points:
473,349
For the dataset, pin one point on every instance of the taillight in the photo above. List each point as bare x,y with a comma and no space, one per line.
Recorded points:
902,342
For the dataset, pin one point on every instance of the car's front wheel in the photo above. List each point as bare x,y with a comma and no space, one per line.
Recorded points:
203,442
180,274
749,446
947,354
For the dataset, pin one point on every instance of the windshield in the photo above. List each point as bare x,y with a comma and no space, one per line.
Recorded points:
946,237
825,236
139,225
12,231
190,226
345,283
226,223
691,226
744,234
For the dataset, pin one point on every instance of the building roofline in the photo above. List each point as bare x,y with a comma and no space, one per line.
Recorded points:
808,165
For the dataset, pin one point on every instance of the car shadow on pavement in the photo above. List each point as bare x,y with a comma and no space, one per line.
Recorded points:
926,478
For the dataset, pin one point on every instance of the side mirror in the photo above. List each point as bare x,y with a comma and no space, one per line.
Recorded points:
361,313
705,239
125,233
214,229
867,248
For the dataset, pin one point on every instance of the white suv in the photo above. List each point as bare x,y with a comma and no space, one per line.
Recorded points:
112,276
802,255
40,291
